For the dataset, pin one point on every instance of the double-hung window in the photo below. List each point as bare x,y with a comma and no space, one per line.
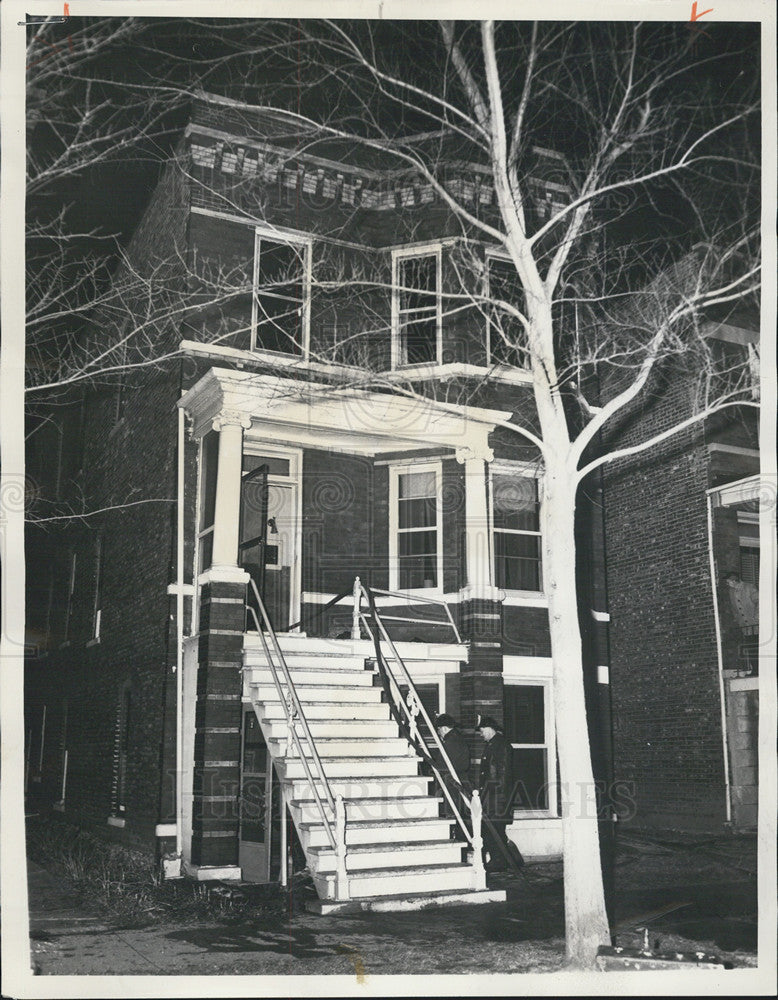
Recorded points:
516,529
506,336
416,307
281,293
529,731
415,555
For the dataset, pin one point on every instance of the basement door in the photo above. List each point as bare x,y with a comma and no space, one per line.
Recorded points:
258,834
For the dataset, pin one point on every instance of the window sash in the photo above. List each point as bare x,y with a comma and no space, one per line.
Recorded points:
281,295
415,551
515,509
417,307
498,351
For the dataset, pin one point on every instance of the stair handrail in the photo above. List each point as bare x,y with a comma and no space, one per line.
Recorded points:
361,590
419,599
300,715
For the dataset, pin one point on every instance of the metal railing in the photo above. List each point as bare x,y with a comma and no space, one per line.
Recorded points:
295,715
412,707
414,599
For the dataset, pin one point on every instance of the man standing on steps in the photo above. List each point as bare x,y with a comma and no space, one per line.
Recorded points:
458,753
496,788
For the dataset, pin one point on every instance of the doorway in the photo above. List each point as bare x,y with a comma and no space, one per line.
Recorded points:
269,532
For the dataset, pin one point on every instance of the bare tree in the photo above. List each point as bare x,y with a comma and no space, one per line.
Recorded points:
592,303
598,305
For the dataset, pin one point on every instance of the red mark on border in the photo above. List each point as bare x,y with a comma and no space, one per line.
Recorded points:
67,10
695,16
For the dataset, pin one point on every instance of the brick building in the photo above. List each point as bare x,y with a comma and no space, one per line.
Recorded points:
259,453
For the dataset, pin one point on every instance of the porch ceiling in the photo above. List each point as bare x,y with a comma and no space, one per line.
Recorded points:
341,419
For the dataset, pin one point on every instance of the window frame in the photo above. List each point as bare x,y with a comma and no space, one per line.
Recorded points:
491,361
395,471
408,253
549,745
298,243
527,471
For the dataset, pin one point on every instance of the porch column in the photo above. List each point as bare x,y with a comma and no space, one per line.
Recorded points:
226,525
480,601
214,850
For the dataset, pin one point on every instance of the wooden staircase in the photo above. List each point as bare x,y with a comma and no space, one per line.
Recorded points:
398,852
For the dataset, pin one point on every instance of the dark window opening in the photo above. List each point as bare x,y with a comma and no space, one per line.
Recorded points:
417,297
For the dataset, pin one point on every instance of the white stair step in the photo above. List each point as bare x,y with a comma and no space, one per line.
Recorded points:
344,711
352,767
368,857
339,728
302,675
395,881
366,747
322,661
396,792
318,693
379,831
404,902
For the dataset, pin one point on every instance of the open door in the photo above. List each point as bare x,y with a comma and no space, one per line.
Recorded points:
252,547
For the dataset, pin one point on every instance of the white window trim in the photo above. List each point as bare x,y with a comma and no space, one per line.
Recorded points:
549,746
529,471
395,471
265,232
491,362
424,250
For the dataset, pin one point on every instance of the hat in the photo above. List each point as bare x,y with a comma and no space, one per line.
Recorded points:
485,721
445,720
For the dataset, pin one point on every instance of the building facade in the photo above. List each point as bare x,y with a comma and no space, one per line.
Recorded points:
321,407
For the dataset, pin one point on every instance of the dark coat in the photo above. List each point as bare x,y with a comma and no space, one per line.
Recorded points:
496,778
458,752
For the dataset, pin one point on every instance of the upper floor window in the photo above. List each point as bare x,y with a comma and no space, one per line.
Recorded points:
516,527
251,286
506,335
281,295
416,307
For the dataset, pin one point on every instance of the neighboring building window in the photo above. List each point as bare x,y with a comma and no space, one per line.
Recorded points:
505,332
121,745
281,293
516,528
97,609
416,307
209,461
526,715
416,543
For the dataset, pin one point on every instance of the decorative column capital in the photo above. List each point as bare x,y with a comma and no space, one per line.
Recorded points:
467,453
235,418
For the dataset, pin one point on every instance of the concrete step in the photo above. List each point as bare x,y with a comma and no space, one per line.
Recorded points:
401,902
354,767
366,747
343,711
313,660
330,691
331,729
370,857
302,675
395,792
400,881
379,831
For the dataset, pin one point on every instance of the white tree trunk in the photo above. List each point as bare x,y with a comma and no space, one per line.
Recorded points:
586,922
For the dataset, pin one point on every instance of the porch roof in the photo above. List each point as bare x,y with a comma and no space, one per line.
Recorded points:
347,419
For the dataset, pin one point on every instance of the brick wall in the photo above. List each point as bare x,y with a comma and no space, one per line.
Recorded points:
667,713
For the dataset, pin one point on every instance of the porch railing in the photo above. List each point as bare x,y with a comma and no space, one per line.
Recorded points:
411,599
295,716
